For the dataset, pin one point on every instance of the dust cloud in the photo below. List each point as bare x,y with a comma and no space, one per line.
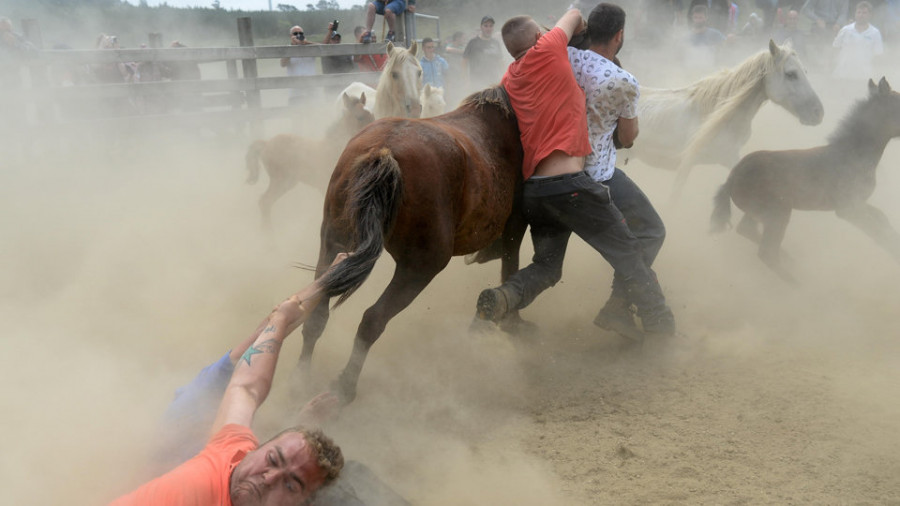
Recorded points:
130,262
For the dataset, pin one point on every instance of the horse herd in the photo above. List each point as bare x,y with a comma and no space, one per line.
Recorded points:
426,190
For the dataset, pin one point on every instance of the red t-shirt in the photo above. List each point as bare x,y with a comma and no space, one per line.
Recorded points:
203,480
548,102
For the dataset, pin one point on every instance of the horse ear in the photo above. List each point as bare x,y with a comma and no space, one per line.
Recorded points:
883,87
414,48
873,88
347,100
774,49
362,98
428,90
390,48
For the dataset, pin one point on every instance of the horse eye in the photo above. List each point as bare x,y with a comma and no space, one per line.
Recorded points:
791,74
395,75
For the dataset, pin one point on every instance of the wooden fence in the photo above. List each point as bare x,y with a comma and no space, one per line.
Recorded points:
43,105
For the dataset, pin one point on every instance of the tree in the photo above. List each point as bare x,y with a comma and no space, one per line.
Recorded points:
287,8
216,5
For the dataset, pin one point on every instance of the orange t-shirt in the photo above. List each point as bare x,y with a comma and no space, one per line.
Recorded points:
548,102
201,481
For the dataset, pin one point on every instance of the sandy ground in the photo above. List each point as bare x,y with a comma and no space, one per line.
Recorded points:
125,272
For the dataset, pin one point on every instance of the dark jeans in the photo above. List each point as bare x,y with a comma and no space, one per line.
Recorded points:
557,206
642,219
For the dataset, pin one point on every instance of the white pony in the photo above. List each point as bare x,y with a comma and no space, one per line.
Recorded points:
399,92
433,103
356,89
709,121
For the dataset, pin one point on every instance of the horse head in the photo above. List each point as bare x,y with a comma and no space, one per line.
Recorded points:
887,106
433,103
400,84
786,85
355,115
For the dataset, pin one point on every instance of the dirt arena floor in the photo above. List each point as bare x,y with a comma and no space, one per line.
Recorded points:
126,271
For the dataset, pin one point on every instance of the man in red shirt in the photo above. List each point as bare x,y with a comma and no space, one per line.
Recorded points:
233,469
558,197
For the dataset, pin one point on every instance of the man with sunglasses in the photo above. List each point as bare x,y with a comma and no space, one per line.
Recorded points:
298,65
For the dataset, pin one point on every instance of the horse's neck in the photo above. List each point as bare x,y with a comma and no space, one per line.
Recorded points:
747,109
864,144
388,103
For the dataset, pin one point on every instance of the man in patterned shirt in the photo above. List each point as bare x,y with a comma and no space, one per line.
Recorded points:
611,96
559,197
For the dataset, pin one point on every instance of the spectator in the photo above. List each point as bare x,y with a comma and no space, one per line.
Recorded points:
457,44
433,66
828,16
367,62
341,64
183,71
858,44
704,42
234,468
14,49
390,9
721,14
482,58
790,31
298,65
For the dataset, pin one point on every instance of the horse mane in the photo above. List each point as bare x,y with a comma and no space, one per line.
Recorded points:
724,93
855,124
495,96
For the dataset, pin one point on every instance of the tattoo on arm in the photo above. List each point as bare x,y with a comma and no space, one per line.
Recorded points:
267,346
269,329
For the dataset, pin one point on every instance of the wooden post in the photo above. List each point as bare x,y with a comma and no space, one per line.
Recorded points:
245,39
39,78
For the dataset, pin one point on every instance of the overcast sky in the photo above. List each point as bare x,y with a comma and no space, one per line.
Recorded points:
261,5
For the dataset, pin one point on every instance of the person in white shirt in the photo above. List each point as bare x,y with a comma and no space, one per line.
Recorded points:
298,66
858,44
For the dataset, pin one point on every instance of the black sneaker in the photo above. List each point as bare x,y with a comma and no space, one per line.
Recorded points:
366,37
390,37
616,316
491,305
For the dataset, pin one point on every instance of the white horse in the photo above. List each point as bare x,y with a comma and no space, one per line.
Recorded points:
356,89
709,121
399,92
433,103
400,85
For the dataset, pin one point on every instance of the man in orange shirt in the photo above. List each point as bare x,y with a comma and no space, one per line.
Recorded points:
558,197
233,469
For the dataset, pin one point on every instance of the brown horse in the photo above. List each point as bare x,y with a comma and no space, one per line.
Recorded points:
425,190
840,177
286,157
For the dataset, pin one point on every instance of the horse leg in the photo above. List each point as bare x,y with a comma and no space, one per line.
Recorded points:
774,227
749,228
875,224
405,286
278,186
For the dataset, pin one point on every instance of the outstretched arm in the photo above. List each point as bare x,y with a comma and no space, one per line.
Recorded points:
571,22
252,378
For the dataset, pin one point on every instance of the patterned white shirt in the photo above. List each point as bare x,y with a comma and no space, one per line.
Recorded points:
611,93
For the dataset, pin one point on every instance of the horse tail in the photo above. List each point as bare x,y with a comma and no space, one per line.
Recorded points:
721,216
373,198
252,160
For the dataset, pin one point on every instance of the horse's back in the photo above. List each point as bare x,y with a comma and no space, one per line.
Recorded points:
458,188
